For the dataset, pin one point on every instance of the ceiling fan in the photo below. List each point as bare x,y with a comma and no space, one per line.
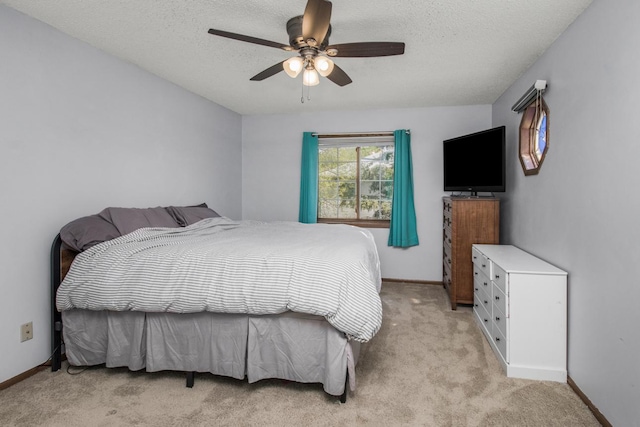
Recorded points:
309,36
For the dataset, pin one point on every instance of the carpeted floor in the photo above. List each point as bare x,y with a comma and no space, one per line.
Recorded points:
428,366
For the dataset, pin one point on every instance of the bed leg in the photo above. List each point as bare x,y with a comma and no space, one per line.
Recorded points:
191,375
343,398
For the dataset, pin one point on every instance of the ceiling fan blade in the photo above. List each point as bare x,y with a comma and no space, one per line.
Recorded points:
274,69
339,77
316,20
249,39
366,49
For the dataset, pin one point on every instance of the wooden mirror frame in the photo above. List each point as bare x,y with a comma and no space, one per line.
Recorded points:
529,127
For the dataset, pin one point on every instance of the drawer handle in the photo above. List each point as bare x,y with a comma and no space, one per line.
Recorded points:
485,283
483,265
497,298
497,339
486,302
497,276
497,319
486,320
476,289
475,257
475,305
475,273
449,261
449,240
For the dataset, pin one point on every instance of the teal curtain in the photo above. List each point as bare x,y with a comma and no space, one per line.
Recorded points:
403,229
309,179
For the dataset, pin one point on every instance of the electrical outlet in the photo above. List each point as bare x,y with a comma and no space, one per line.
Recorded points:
26,332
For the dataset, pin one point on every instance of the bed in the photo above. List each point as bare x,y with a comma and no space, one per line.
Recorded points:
184,289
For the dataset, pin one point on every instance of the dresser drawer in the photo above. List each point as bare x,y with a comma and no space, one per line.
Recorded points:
476,256
446,249
480,290
447,213
499,277
481,261
483,264
482,279
485,318
485,301
500,300
499,321
446,235
485,327
500,342
446,275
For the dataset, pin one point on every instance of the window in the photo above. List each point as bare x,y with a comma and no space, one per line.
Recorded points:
355,181
534,136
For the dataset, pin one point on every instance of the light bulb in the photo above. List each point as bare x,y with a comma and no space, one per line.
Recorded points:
310,77
293,66
324,65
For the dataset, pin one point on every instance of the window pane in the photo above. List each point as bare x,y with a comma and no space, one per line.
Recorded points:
328,171
347,209
327,189
369,169
385,209
347,154
370,189
387,189
347,171
328,208
375,209
347,190
328,154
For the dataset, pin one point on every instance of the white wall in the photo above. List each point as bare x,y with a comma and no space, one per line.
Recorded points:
272,148
581,212
80,131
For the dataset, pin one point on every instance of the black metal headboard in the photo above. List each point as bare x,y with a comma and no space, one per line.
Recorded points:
56,316
61,259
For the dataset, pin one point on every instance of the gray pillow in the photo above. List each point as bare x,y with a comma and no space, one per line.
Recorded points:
127,220
187,215
87,231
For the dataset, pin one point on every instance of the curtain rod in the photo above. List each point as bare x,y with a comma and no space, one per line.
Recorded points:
354,135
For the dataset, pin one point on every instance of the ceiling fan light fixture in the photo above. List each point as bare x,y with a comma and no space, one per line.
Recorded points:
310,77
293,66
323,65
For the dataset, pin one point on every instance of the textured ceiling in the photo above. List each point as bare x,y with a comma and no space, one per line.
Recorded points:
458,52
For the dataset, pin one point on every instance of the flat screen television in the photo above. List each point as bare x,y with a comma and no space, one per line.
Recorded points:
475,162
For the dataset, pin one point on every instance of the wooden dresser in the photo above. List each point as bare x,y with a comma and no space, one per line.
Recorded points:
465,221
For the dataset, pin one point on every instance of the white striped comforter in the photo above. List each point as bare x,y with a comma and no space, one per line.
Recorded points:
224,266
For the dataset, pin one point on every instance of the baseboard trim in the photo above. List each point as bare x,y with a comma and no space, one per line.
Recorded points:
417,282
596,413
21,377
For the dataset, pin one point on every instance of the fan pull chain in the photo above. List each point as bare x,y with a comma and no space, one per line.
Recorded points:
302,92
308,93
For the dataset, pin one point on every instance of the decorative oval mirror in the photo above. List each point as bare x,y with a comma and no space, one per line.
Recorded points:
534,136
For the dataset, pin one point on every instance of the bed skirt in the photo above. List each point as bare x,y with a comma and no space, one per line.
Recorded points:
291,346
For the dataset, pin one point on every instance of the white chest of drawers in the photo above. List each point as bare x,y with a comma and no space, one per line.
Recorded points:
520,303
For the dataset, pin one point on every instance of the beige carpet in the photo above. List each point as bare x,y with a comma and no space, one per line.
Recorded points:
428,366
